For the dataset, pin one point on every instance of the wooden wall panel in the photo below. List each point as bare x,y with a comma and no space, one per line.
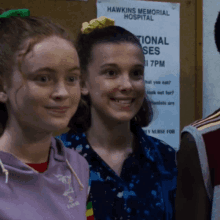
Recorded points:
199,60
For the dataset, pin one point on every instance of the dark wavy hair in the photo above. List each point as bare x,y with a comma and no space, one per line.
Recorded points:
217,32
84,46
17,33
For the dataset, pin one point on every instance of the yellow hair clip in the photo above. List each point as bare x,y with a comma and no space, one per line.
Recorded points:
97,23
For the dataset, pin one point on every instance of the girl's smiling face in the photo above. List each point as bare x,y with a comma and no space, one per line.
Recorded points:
115,81
51,80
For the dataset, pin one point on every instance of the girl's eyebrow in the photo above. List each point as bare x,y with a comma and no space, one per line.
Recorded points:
115,65
109,64
51,70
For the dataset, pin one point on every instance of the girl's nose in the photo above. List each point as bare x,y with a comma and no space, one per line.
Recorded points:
60,91
125,82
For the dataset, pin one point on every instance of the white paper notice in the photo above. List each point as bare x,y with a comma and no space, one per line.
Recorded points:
157,26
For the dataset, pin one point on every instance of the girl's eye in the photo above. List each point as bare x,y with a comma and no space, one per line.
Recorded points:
73,79
138,73
43,79
111,73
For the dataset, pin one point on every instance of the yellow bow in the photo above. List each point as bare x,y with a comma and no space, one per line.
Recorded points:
97,23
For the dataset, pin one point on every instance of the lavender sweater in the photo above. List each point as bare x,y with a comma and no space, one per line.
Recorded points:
60,193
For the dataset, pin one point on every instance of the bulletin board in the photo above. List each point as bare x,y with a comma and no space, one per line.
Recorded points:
71,14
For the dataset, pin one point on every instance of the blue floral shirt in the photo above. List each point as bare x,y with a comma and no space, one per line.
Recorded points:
146,187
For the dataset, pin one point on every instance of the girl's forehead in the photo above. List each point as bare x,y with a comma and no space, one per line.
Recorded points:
54,52
52,42
107,52
34,46
49,45
115,45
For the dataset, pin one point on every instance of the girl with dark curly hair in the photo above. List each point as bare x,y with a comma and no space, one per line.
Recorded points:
133,175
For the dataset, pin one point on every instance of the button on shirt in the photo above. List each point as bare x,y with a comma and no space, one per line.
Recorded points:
147,184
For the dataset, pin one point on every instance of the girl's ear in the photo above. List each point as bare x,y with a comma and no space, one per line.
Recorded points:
3,95
84,87
84,91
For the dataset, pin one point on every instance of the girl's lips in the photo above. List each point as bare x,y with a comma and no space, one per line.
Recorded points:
123,101
59,107
58,110
123,104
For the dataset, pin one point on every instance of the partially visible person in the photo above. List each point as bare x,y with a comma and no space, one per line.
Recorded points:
133,175
198,182
39,94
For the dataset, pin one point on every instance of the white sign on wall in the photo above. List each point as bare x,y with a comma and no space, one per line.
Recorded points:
157,26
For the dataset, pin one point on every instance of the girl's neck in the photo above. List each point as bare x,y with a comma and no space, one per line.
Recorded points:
111,137
28,145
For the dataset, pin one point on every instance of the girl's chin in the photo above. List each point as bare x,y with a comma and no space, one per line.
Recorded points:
55,127
120,118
